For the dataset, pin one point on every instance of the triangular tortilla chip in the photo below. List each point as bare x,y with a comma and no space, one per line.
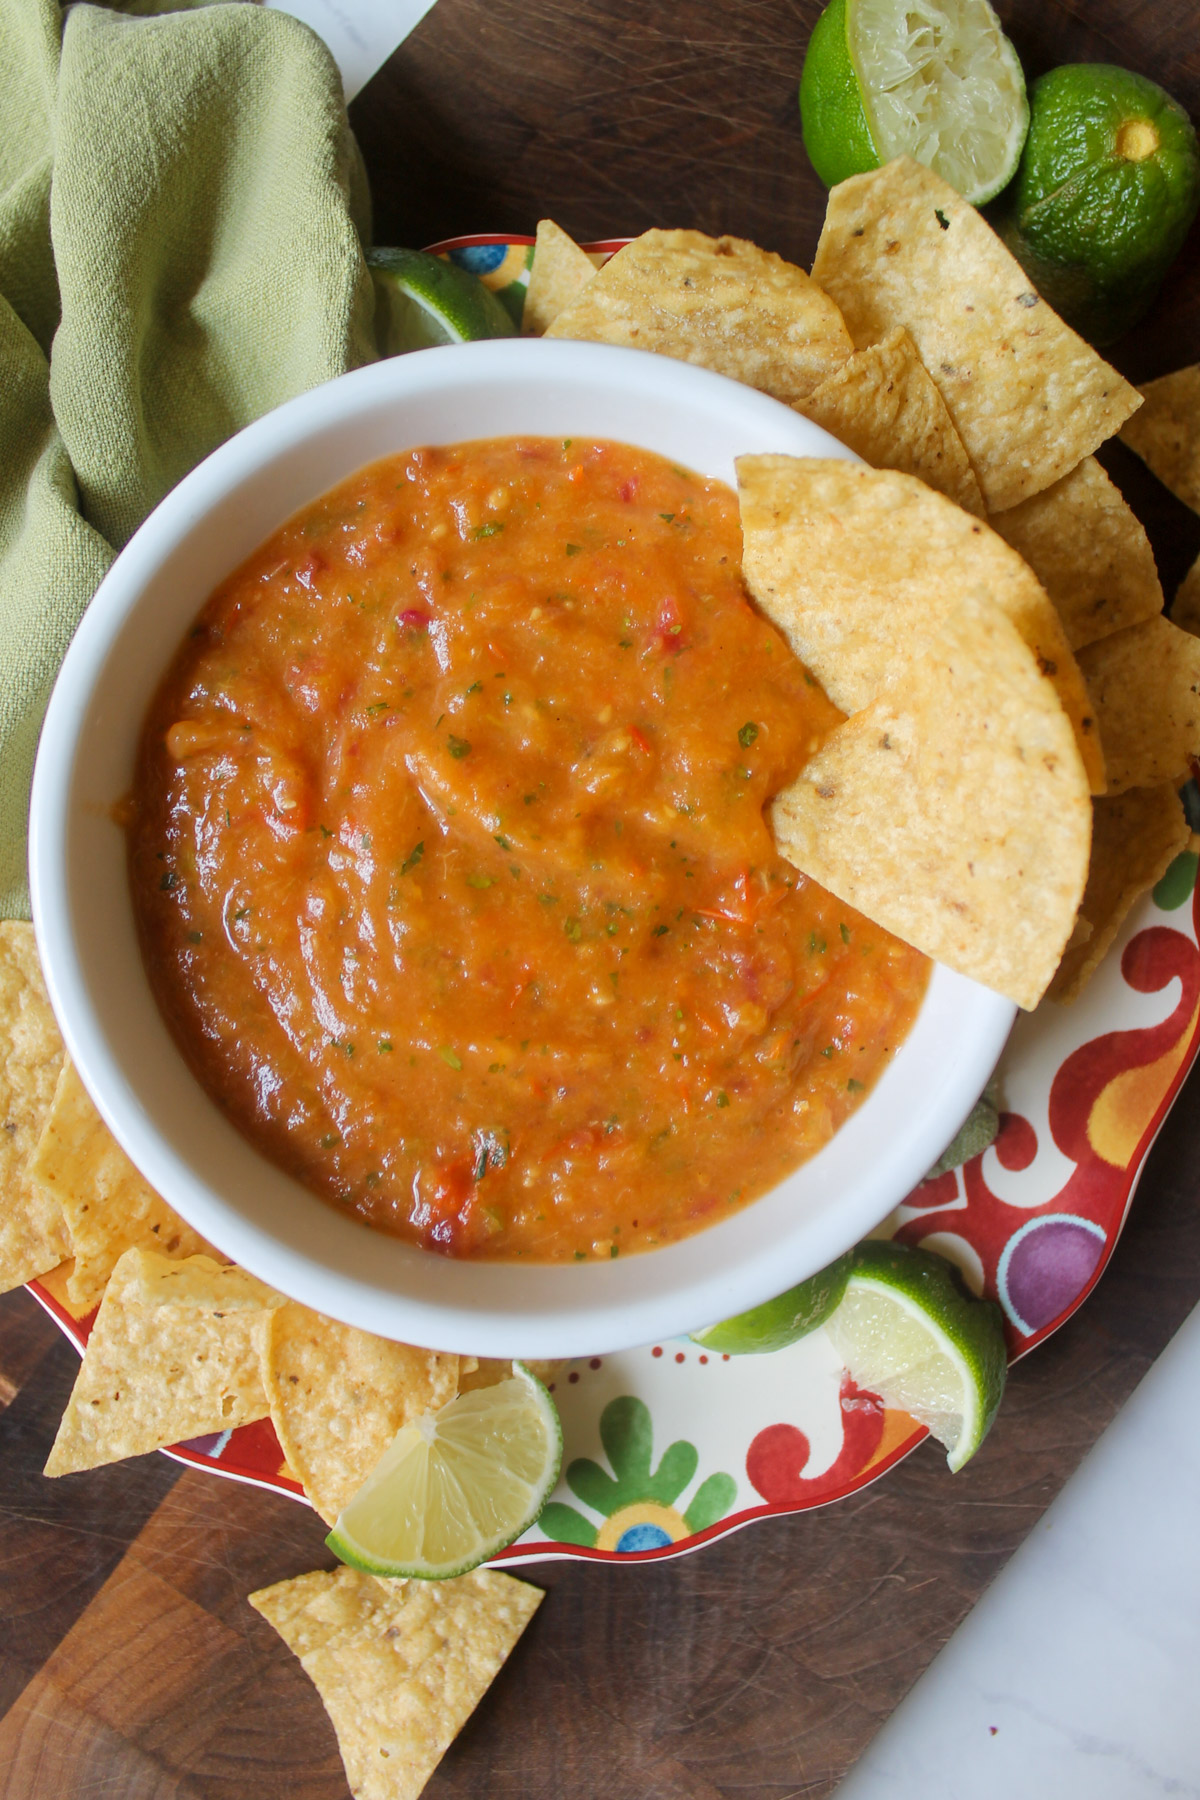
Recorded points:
107,1205
1165,433
339,1396
560,272
954,809
1030,398
857,566
159,1374
1135,838
1185,608
1145,685
1089,551
33,1233
884,405
719,302
400,1665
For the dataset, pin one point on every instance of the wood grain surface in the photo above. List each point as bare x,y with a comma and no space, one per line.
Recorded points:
759,1668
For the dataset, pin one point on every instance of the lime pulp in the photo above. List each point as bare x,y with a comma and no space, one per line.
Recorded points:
933,79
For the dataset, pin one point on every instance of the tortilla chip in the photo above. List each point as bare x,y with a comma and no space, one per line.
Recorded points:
954,809
339,1396
201,1281
1030,398
1089,551
1136,837
719,302
560,272
33,1233
400,1665
107,1205
884,405
1145,684
156,1375
486,1371
1185,608
857,566
1166,432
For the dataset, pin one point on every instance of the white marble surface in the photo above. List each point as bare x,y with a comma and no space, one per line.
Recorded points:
361,33
1078,1673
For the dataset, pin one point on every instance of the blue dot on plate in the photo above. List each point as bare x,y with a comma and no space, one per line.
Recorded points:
644,1537
480,259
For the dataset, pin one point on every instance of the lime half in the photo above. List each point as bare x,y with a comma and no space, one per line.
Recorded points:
421,300
907,1331
933,79
780,1322
456,1486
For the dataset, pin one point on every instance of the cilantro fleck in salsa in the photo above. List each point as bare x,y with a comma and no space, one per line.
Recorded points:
449,861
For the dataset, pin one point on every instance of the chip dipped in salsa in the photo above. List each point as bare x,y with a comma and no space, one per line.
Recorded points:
450,866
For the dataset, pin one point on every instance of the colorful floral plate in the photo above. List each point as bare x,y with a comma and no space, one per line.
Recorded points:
670,1446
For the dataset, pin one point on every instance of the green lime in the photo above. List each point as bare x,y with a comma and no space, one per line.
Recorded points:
942,84
908,1331
777,1323
456,1486
1107,187
422,300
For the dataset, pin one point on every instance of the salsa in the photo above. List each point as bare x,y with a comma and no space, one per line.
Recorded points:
450,868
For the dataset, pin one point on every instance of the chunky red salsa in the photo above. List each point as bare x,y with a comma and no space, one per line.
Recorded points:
448,854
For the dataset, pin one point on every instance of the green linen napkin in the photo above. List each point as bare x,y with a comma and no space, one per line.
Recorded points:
182,208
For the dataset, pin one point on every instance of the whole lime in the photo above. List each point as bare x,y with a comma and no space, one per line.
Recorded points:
940,83
1105,191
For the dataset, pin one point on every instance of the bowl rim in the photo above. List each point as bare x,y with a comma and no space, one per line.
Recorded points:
600,1307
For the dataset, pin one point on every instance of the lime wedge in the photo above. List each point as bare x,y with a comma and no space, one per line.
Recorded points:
933,79
907,1331
457,1485
421,300
780,1322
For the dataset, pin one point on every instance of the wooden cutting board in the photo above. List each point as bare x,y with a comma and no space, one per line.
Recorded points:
759,1668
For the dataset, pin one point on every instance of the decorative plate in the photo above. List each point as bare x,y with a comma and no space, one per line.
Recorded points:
670,1446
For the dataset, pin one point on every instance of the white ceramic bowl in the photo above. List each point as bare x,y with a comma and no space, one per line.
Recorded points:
175,1134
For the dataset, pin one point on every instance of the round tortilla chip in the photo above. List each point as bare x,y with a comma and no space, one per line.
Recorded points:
1089,551
858,566
1136,837
1165,432
884,405
1145,682
1185,607
954,809
1029,397
720,302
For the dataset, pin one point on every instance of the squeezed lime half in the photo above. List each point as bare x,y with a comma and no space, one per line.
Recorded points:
933,79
